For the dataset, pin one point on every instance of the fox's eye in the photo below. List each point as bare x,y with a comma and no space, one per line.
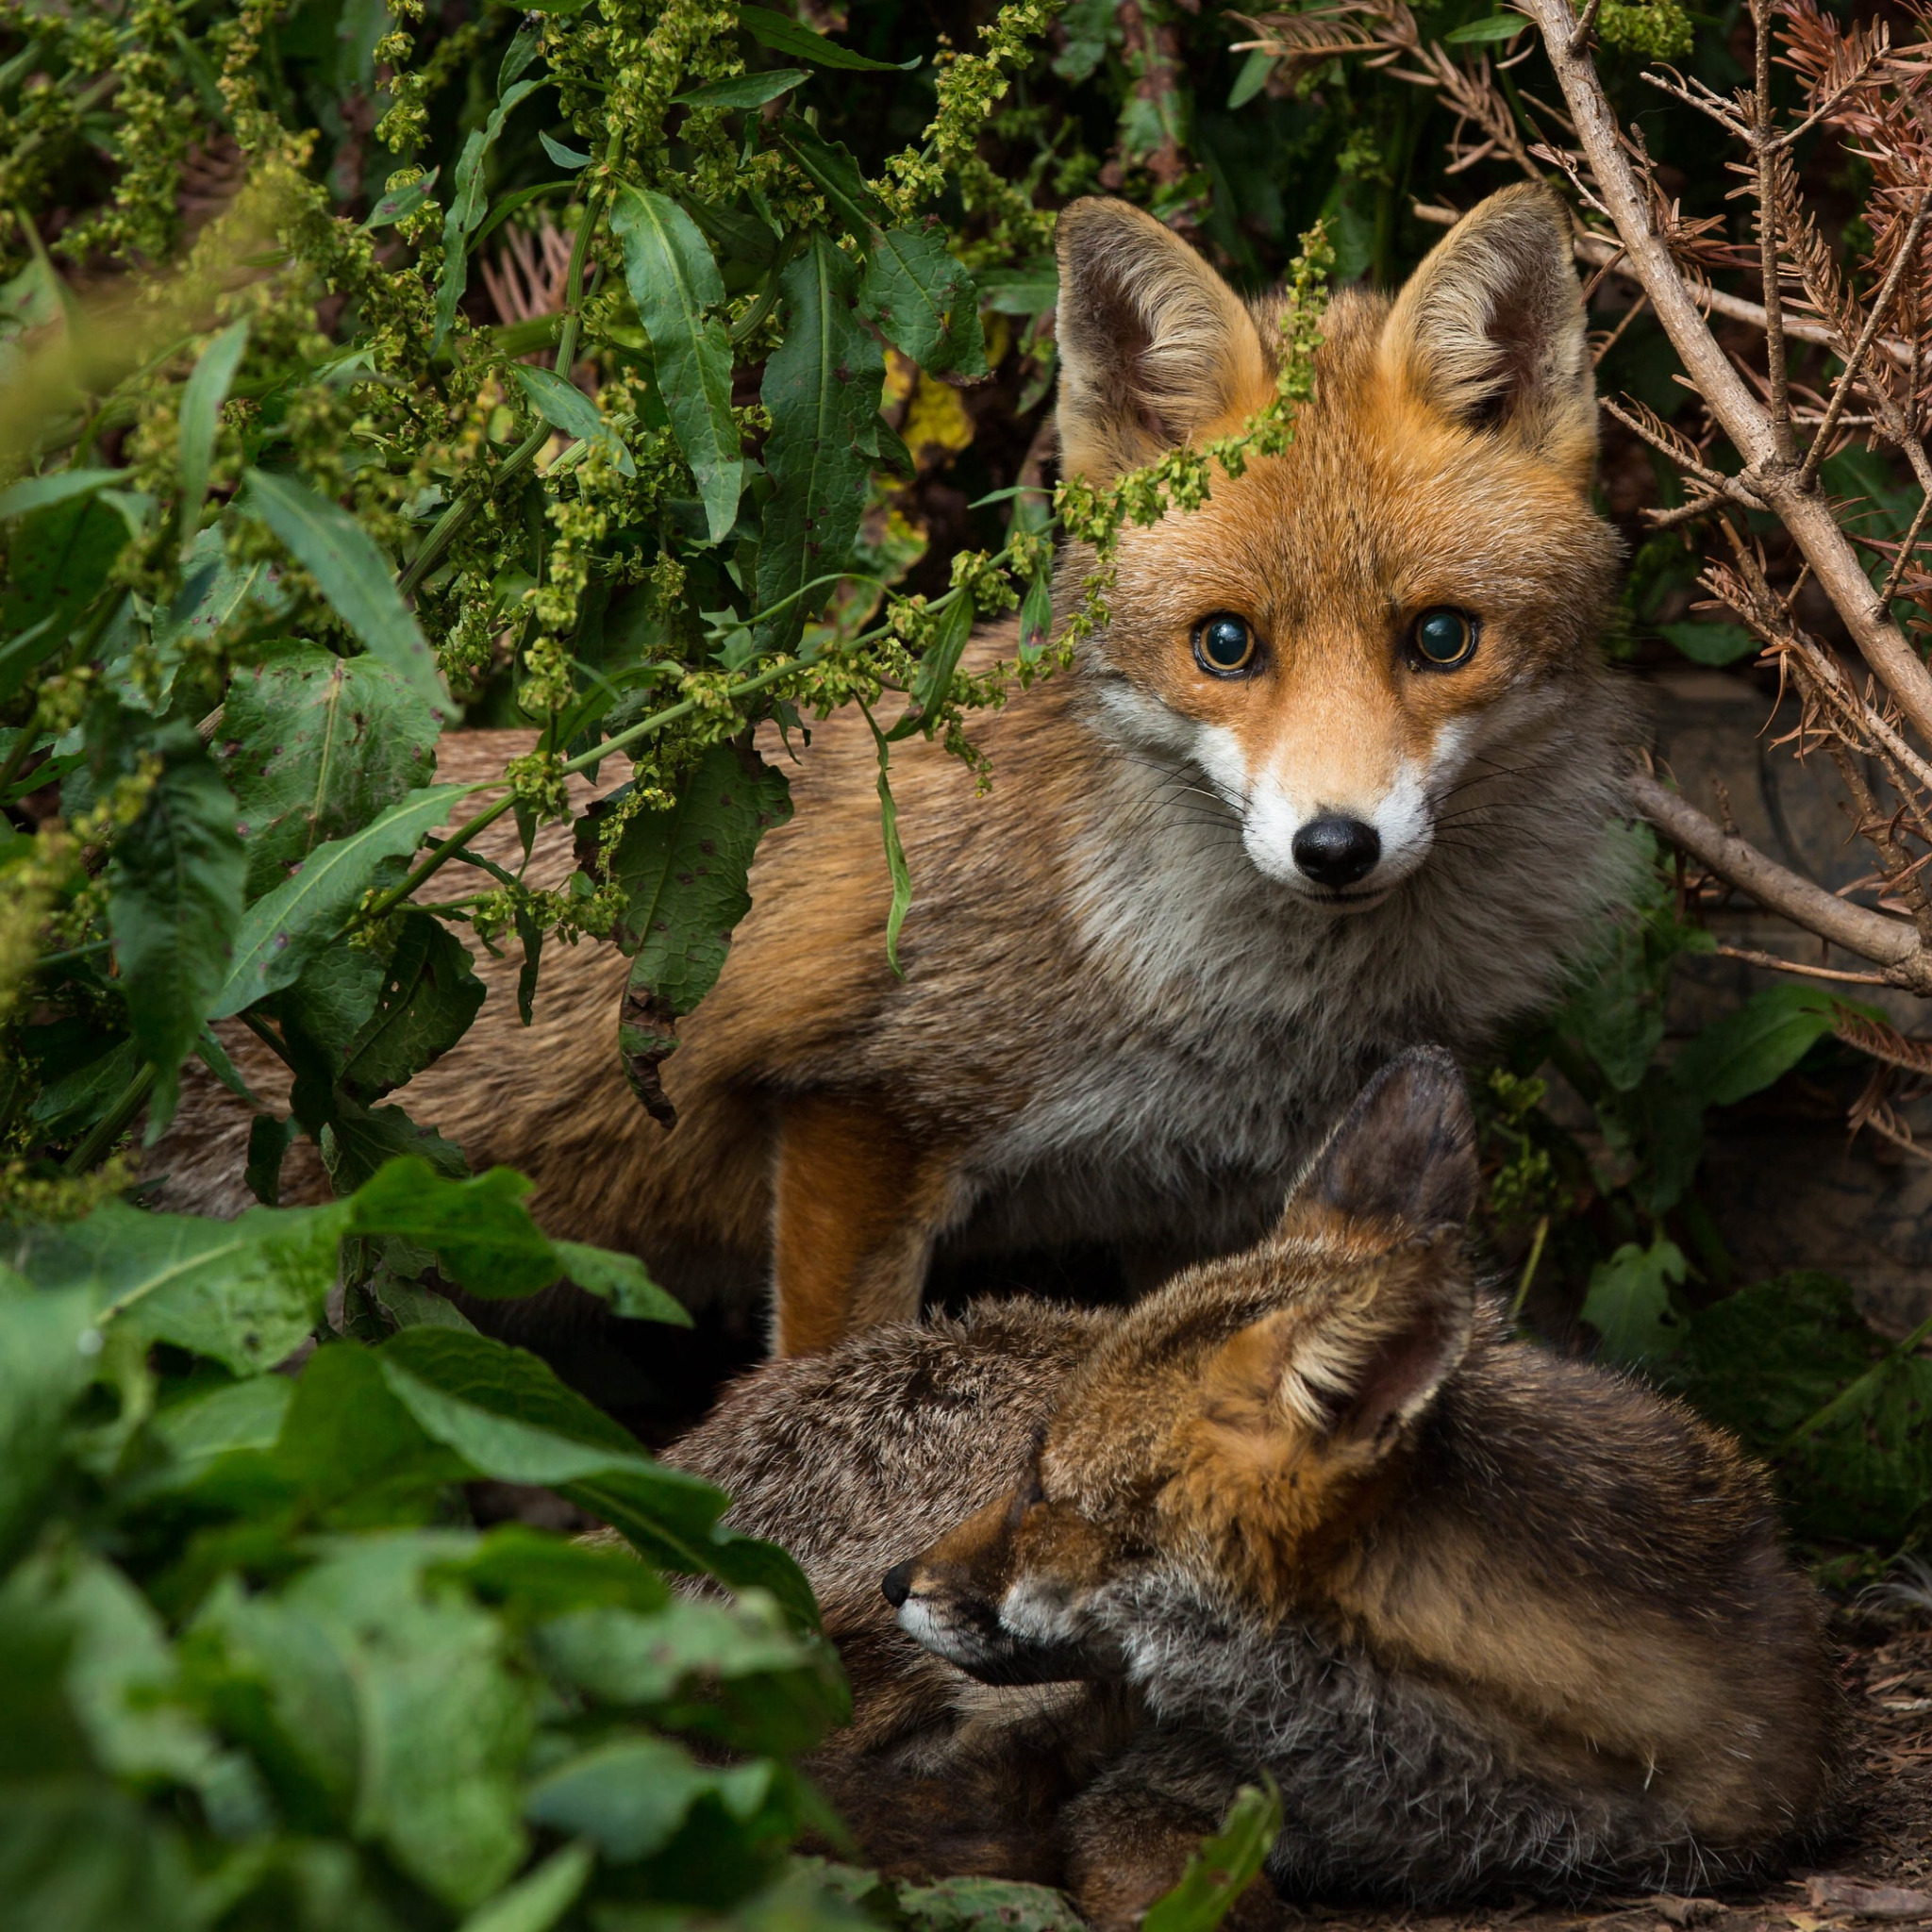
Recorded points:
1444,637
1223,644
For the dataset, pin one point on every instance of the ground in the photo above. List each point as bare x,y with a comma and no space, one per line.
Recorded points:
1877,1871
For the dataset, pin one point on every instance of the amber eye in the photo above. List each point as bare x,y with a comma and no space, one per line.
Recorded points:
1223,644
1444,637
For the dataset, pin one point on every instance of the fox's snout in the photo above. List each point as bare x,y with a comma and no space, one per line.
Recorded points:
1336,851
946,1615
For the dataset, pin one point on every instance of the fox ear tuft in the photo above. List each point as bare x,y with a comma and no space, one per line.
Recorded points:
1404,1152
1491,328
1369,1369
1153,343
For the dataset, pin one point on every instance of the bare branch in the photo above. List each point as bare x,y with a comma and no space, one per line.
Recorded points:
1753,958
1889,943
1580,39
1907,545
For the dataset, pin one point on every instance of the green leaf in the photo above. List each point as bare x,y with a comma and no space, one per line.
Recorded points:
58,486
986,1905
214,594
924,301
1711,643
895,852
466,207
43,1367
742,89
685,873
236,1415
1745,1051
1225,1866
565,407
836,174
784,35
631,1796
537,1901
57,564
673,281
822,386
175,906
245,1292
282,931
1495,27
355,576
479,1228
934,678
1019,290
1252,78
567,157
509,205
358,1142
201,417
622,1281
401,202
86,1857
314,746
430,994
1629,1302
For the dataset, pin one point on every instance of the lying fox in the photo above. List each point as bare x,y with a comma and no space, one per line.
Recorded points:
1334,780
1493,1620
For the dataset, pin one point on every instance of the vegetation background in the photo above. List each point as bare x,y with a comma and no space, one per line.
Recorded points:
632,373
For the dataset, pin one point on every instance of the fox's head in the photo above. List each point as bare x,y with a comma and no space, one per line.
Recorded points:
1351,640
1240,1423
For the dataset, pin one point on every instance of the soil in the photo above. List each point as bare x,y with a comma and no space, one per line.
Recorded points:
1876,1874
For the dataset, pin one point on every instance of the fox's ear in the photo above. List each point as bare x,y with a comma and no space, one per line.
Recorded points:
1153,343
1403,1152
1490,328
1353,1369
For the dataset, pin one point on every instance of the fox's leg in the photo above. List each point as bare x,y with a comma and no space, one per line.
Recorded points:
856,1205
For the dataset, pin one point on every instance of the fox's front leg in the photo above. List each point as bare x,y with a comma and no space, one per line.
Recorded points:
856,1205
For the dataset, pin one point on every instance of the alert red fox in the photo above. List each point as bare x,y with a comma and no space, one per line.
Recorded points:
1494,1621
1333,780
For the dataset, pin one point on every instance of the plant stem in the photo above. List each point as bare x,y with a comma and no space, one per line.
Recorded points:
111,1124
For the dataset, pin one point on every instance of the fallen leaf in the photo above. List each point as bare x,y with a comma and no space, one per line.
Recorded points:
1834,1891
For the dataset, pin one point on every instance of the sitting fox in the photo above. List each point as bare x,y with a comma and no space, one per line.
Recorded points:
1493,1620
1334,780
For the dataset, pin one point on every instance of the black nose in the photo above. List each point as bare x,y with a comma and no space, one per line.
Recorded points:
1335,851
897,1584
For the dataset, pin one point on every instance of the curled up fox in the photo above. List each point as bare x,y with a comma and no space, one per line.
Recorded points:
1494,1621
1333,780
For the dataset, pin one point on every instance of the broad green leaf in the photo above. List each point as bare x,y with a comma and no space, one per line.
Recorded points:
784,35
683,874
201,417
1629,1302
924,300
1495,27
314,745
1252,78
1019,290
986,1905
565,407
75,1102
822,386
836,175
87,1857
1745,1051
631,1796
358,1142
283,930
245,1292
174,905
37,492
479,1228
400,202
537,1901
1225,1867
237,1415
567,157
675,281
57,562
531,1575
353,574
213,594
443,1718
44,1364
742,89
1711,643
430,994
622,1281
